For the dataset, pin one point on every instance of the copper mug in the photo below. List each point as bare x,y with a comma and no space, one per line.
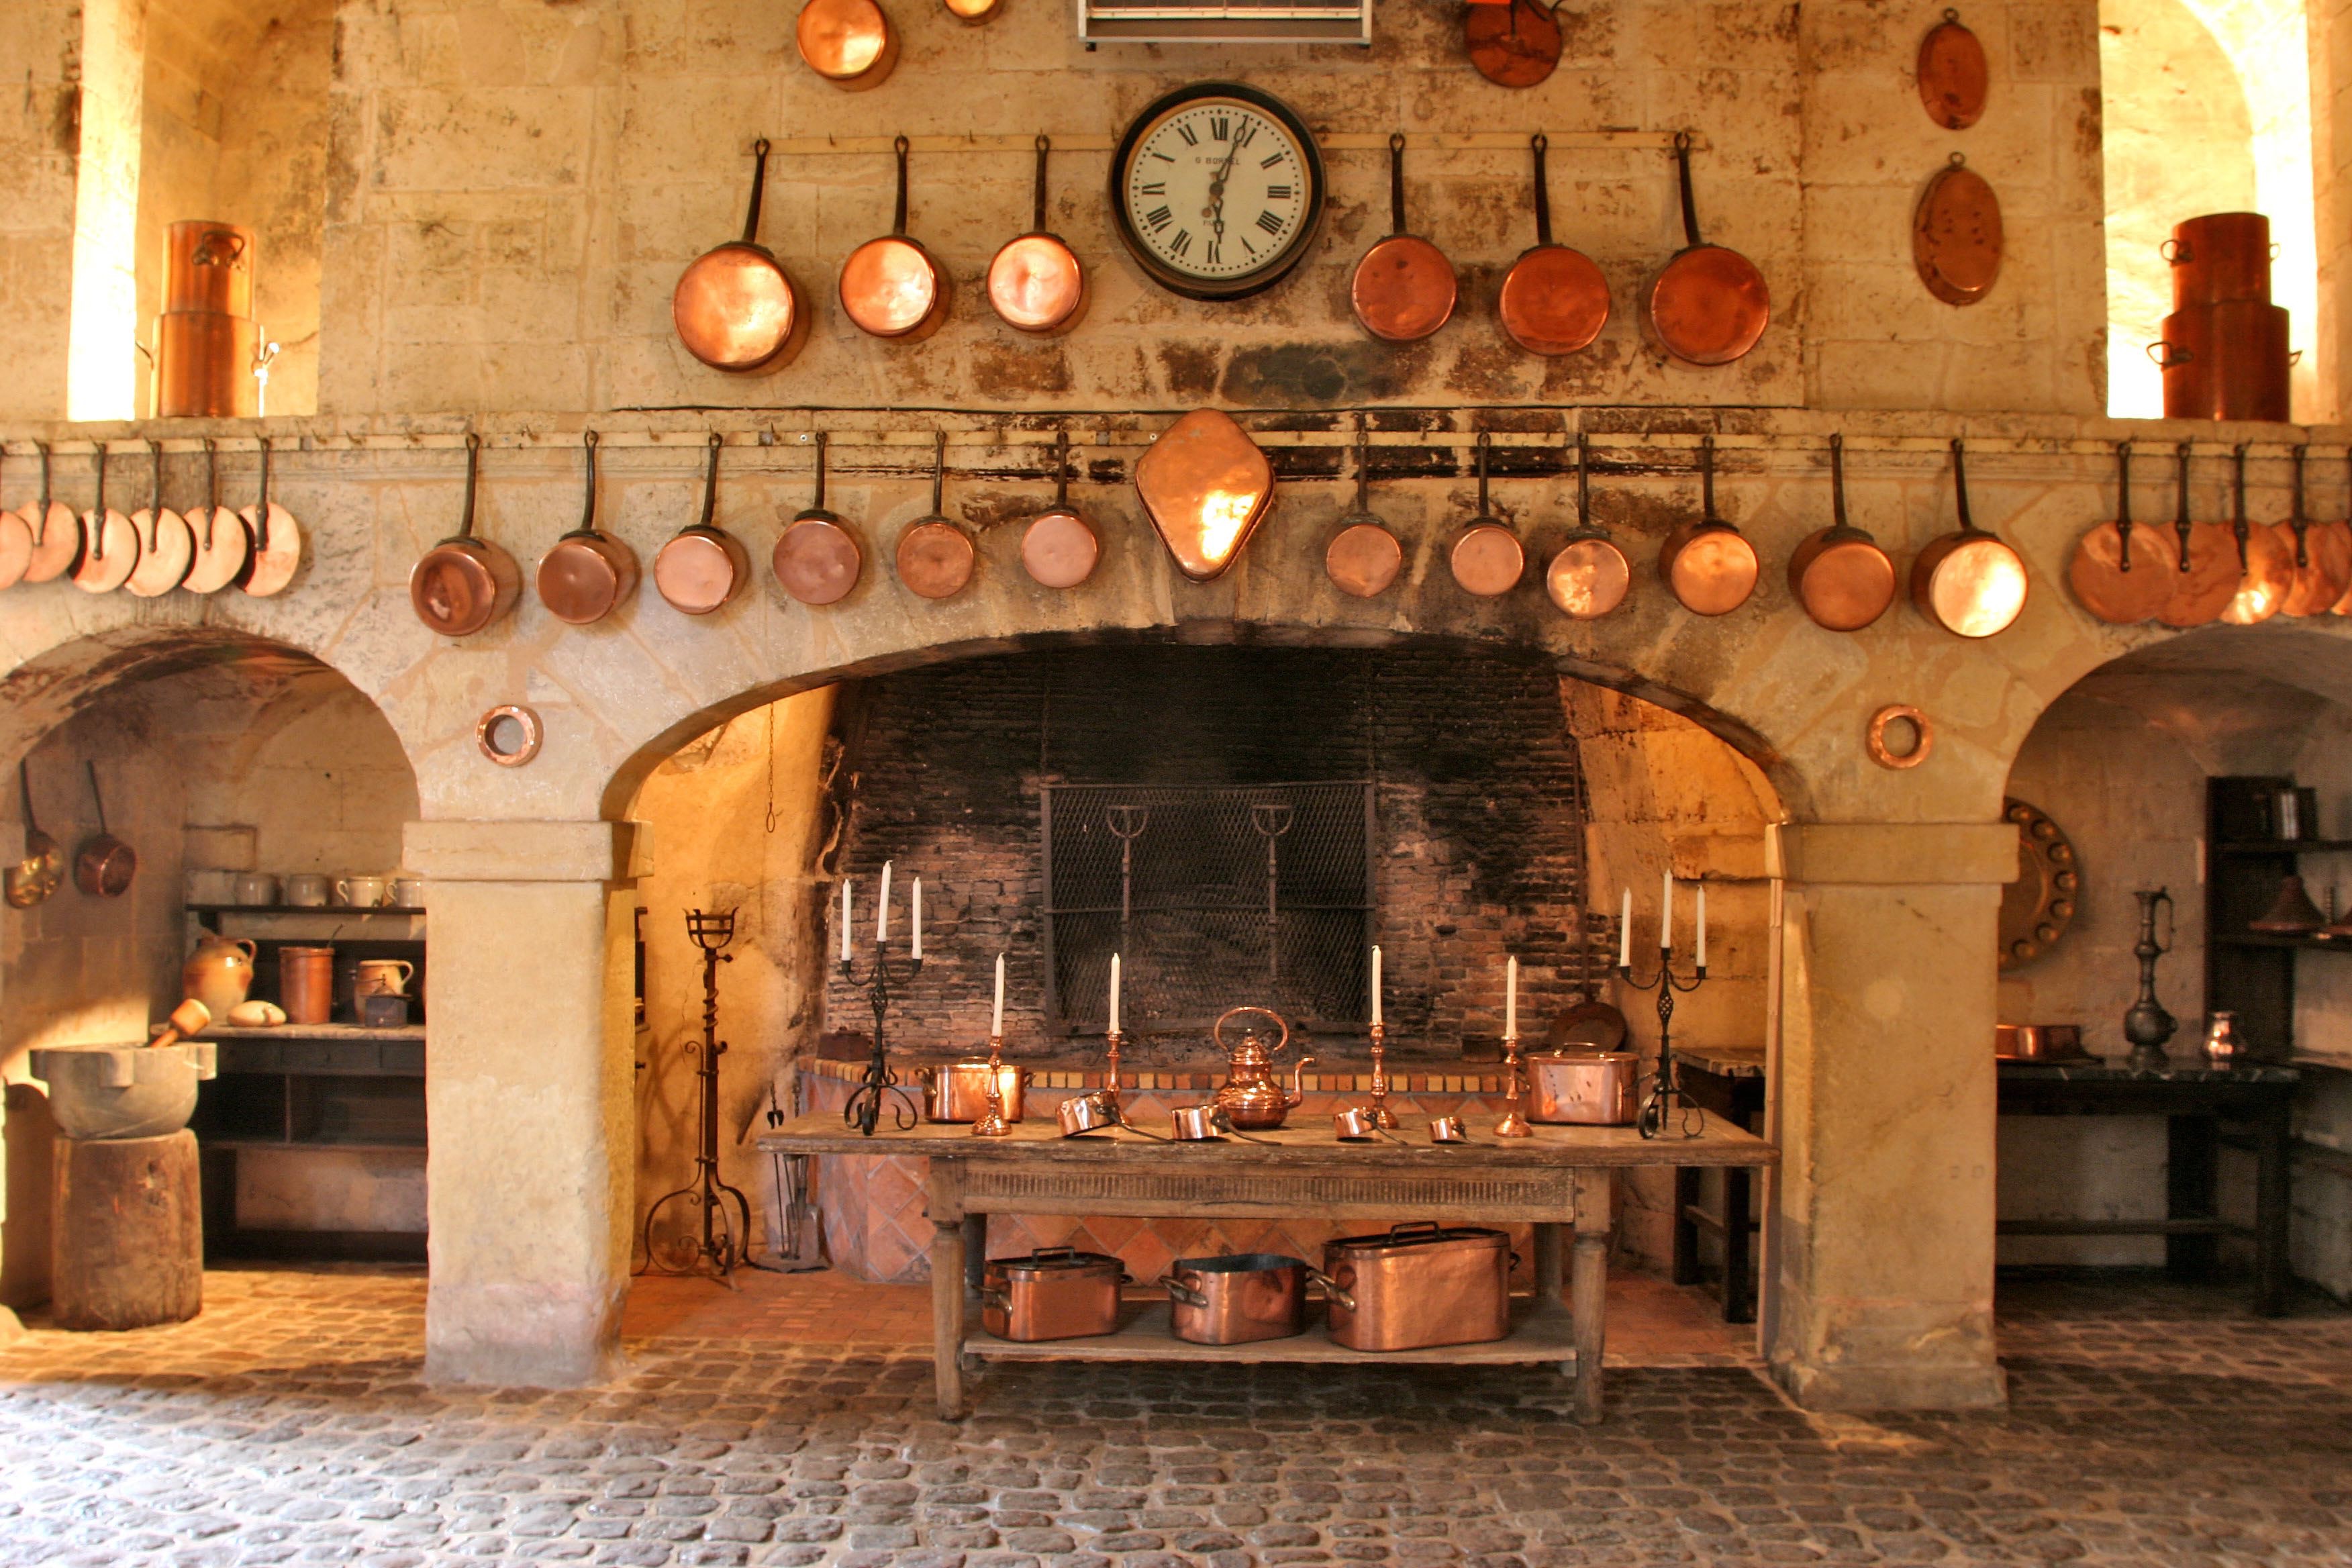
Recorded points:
306,984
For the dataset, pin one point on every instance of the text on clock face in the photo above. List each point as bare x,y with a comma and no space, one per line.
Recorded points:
1216,190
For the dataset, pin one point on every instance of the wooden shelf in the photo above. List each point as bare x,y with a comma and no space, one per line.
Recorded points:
2285,847
309,1032
314,1145
1538,1333
2314,944
338,910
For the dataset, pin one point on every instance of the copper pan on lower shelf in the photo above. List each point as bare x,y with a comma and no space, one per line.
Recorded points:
223,543
2265,558
1709,566
1363,557
587,573
2323,556
1971,583
935,555
702,566
2120,570
109,545
464,584
277,540
57,533
816,558
1840,574
1486,556
166,548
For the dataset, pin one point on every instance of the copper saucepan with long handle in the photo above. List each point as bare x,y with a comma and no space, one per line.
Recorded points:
277,540
1363,557
1589,575
1486,556
2121,570
816,558
464,583
1404,289
1060,548
103,863
850,43
1709,304
223,543
703,566
32,878
109,545
1554,299
1035,283
1710,566
1969,582
2206,573
2265,559
892,286
166,548
2323,556
735,307
587,572
935,555
1839,574
57,533
15,540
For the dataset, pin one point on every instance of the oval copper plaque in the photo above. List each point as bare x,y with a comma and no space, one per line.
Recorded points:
935,558
1955,236
1059,550
1954,78
2106,589
850,43
2201,593
1515,44
1363,558
2268,576
1487,560
1588,578
1713,572
2326,573
817,559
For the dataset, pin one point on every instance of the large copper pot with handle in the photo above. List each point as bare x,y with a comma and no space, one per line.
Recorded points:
1709,304
464,584
1554,299
1252,1095
1710,563
1237,1299
892,286
1419,1285
1839,574
1404,288
207,341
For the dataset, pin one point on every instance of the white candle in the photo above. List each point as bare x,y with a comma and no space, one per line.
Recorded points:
1665,911
1702,925
1625,933
996,1019
844,920
882,913
1376,985
1114,994
918,954
1511,999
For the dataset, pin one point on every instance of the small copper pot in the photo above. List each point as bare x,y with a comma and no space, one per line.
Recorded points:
1236,1299
891,287
1362,557
1709,304
1554,299
1083,1114
2121,569
109,545
1404,289
735,307
223,542
703,566
2265,560
464,584
935,555
2322,557
1839,574
816,558
1035,283
57,533
2206,573
587,573
850,43
1194,1123
277,540
1486,556
1709,565
167,549
1059,548
1971,582
103,863
1589,576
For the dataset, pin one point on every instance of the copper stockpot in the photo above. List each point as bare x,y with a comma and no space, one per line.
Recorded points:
1709,304
1419,1285
2220,257
2206,573
1237,1299
1206,486
735,307
1055,1294
306,984
891,287
1554,299
1708,563
2122,571
277,540
1362,557
1512,43
935,555
206,342
816,558
223,543
1839,574
850,43
57,533
2265,558
1956,235
2225,360
1969,582
208,266
1583,1087
702,566
109,545
1954,78
958,1091
464,584
1486,556
166,548
1589,575
586,573
2322,557
1404,289
1035,283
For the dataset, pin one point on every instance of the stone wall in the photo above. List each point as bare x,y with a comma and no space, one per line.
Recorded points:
38,139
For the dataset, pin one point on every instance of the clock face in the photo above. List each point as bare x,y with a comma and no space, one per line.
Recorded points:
1218,189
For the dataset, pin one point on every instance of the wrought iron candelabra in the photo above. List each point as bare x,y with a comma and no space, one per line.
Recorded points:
880,1085
725,1243
1666,1100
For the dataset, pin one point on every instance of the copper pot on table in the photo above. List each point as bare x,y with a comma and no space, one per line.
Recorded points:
1709,304
587,572
735,307
702,566
1237,1299
2323,556
1554,299
1708,563
1419,1285
1583,1087
1054,1293
1404,289
892,286
958,1091
1970,582
816,558
109,545
1839,574
1035,283
2122,571
464,584
1589,575
2206,573
1486,556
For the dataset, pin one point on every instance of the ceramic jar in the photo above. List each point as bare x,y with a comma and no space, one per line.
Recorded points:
219,974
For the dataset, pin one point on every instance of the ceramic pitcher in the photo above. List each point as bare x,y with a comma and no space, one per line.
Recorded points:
219,973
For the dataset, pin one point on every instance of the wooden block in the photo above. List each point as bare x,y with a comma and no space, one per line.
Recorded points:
126,1229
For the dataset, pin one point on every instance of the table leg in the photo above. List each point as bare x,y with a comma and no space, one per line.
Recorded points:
1685,1229
1551,1261
2272,1205
2191,1191
1739,1295
947,1312
1589,1289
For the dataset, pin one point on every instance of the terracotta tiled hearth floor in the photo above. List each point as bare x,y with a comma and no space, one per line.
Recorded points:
2149,1425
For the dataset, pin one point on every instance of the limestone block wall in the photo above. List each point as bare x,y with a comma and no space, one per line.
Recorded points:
42,39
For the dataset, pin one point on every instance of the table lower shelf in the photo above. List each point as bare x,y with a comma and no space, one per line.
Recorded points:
1539,1332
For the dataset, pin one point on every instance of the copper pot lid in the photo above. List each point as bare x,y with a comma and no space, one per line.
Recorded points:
1955,236
1512,43
702,566
735,307
1404,289
2206,572
816,558
890,287
57,533
2122,571
1206,486
1708,305
1709,565
1589,576
2323,558
16,539
1554,299
1363,557
1840,574
1059,548
464,584
1970,582
850,43
2265,559
167,549
109,545
586,573
277,540
1954,78
935,556
1035,283
1486,557
222,543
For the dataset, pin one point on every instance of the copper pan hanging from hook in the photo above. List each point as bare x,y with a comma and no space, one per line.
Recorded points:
1554,299
166,548
1363,557
464,584
1060,548
935,555
223,543
1035,283
1589,575
735,307
1841,576
2122,571
1709,304
109,545
587,573
1969,582
892,286
850,43
2206,572
816,558
1709,564
1404,289
2265,558
57,533
2323,556
702,566
277,540
16,539
1486,556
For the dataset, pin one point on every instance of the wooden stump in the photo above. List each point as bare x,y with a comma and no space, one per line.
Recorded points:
126,1233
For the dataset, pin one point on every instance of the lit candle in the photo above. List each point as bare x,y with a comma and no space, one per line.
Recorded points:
844,920
882,914
1376,985
996,1019
1666,908
1114,994
1702,925
918,953
1625,933
1511,999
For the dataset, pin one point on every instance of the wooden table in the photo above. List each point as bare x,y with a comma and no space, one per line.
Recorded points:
1729,1080
1558,1178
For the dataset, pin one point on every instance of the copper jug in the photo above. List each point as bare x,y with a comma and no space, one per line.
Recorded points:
1253,1097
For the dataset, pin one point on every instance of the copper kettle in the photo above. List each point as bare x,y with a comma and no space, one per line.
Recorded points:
1252,1095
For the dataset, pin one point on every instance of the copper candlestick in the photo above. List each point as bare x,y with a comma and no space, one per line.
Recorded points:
1514,1123
993,1125
1110,1076
1382,1116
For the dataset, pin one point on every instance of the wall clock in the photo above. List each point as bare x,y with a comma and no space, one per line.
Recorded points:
1218,190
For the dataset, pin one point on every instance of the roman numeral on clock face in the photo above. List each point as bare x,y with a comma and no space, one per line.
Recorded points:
1268,222
1220,127
1182,244
1156,188
1192,139
1277,193
1159,218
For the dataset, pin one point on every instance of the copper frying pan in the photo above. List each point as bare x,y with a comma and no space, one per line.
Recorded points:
277,540
166,548
2322,557
222,543
1969,582
1486,556
735,307
2121,569
1840,574
2206,572
1709,564
1709,304
1059,548
816,558
850,43
586,573
2265,559
935,556
1512,43
57,533
1363,557
109,545
891,287
464,584
16,542
1404,289
1035,283
1588,1021
103,863
32,880
1589,575
703,566
1554,301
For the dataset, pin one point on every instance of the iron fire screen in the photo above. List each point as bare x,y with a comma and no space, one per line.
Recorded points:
1213,896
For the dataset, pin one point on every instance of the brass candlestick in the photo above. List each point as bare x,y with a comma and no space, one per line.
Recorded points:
993,1125
1514,1123
1382,1116
1110,1076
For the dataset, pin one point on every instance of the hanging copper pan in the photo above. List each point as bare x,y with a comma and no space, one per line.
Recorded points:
891,287
2206,573
277,540
1486,556
223,545
1589,575
585,575
816,558
109,545
464,584
2323,556
1363,557
1035,283
2121,569
57,533
1954,78
971,12
1404,289
1059,548
1709,564
15,541
850,43
103,863
1956,235
1512,43
1970,582
703,566
735,307
935,555
2265,559
1709,304
1840,574
167,549
1554,299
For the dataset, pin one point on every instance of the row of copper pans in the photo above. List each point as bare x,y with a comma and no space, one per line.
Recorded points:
154,550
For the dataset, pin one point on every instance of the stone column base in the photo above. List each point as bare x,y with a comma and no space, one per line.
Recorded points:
11,1326
522,1336
1847,1387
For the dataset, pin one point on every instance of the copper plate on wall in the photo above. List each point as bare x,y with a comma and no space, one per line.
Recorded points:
850,43
277,540
816,558
109,545
2036,909
1956,235
2205,571
1515,43
2121,570
167,549
1954,78
935,556
1206,486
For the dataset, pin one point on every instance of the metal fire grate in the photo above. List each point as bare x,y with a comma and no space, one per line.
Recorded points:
1213,896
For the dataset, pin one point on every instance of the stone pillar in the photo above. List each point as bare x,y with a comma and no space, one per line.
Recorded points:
527,1068
1879,1240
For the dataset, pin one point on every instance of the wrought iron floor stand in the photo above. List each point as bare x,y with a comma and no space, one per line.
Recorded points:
1666,1100
725,1244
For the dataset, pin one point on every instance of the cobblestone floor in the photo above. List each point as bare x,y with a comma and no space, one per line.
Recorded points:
2149,1425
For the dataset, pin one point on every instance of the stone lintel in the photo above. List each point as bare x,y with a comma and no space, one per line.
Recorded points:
1892,853
451,851
1738,857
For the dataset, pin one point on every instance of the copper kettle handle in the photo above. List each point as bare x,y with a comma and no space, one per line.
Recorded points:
1217,1030
1332,1288
1180,1291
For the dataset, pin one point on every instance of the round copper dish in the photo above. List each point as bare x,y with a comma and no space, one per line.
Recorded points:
1554,299
1035,283
2265,560
1404,289
2122,571
1513,44
1954,78
1363,557
109,545
464,584
1709,565
277,540
57,533
1589,576
935,556
816,558
1956,235
890,287
167,549
702,566
15,541
1840,574
222,543
850,43
1486,556
1971,582
735,307
2322,561
2206,572
586,573
1708,305
1059,548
